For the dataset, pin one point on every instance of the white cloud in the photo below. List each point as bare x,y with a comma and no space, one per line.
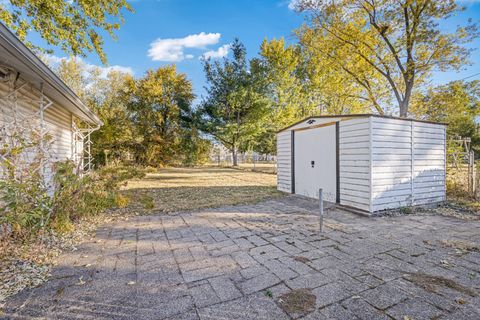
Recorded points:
219,53
5,4
123,69
53,61
172,50
292,4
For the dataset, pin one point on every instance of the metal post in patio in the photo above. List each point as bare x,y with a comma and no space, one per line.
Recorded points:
320,205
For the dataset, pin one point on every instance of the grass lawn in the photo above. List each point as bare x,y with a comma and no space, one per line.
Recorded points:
260,167
180,189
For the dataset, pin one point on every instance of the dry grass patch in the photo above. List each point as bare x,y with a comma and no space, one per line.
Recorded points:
461,246
301,259
298,301
434,283
182,189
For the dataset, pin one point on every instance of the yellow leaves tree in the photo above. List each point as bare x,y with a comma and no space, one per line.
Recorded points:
160,104
335,90
105,95
74,25
387,43
282,66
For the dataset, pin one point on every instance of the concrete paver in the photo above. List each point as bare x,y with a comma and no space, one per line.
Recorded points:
236,262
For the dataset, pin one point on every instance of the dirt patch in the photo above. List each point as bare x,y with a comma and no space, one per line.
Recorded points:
298,301
434,283
301,259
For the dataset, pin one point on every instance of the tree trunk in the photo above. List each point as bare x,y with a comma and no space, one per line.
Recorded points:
406,100
403,105
235,156
403,109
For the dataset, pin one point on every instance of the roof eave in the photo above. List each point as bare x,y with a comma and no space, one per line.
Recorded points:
48,76
360,116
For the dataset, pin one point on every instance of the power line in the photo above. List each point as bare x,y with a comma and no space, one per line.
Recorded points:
473,75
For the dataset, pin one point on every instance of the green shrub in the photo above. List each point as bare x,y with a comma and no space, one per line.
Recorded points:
77,197
24,200
27,206
406,210
24,203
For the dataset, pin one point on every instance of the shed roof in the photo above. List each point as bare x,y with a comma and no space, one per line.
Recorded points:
363,115
14,54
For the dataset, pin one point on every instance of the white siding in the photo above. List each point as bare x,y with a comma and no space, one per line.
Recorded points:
57,121
408,163
429,163
59,124
354,159
384,163
284,160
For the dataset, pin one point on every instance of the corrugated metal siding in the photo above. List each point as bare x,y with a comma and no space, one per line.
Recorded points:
391,163
284,161
354,159
429,163
402,150
384,163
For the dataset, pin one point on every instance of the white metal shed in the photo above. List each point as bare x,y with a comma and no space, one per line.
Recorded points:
367,162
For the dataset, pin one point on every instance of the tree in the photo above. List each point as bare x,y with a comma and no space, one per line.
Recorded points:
235,106
160,105
105,95
298,82
282,68
337,91
73,25
384,41
114,139
457,103
74,73
150,118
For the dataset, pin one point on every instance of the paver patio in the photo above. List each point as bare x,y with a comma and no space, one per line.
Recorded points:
238,262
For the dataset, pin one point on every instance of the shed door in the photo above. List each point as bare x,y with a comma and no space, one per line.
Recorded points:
315,165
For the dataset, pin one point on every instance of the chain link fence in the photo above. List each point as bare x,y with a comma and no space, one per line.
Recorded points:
251,161
462,175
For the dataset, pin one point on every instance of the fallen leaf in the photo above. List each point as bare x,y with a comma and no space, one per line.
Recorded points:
445,263
80,281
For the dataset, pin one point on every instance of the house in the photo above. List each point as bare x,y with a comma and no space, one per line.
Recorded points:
366,162
34,99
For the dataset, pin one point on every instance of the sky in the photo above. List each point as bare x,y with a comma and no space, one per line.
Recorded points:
163,32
